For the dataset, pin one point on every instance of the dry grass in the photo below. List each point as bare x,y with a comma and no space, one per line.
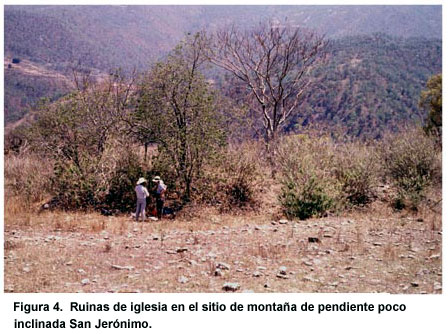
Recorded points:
364,252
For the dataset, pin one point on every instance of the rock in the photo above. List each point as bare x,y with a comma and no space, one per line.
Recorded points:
273,223
437,286
313,239
283,222
85,281
307,263
261,268
26,269
223,266
230,286
376,243
414,284
435,256
218,272
257,228
256,274
117,267
181,250
283,276
182,280
81,271
282,270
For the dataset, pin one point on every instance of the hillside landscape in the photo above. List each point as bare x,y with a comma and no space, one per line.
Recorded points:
398,50
223,149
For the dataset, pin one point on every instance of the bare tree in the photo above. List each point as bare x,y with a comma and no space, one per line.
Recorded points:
273,62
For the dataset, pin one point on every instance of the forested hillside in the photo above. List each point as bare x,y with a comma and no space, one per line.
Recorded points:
370,82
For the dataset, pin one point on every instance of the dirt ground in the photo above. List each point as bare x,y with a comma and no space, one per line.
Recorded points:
59,252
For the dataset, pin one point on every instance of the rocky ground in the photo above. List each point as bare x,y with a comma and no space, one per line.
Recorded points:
57,252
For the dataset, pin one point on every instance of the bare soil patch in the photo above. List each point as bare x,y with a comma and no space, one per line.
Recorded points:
60,252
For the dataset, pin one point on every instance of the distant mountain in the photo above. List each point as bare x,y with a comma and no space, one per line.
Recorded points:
50,40
106,37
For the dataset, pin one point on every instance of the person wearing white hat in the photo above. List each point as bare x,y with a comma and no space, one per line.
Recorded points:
142,193
160,195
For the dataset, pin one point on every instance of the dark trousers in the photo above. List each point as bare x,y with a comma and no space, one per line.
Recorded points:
159,206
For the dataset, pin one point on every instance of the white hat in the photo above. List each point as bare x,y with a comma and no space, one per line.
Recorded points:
156,179
141,180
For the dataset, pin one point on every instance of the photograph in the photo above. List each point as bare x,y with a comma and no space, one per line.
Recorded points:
222,149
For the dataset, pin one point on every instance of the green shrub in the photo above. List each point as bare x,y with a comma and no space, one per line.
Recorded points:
309,186
305,200
412,164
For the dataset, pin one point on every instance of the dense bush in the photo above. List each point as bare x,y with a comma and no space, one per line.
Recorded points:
309,188
121,194
357,171
412,163
232,179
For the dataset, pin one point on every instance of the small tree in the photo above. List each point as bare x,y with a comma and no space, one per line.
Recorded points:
273,62
177,110
431,101
76,131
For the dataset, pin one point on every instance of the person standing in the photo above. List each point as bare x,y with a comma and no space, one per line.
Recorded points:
142,193
160,195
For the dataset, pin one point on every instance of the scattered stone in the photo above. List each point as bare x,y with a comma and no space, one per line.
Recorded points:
282,270
283,276
257,228
266,285
283,222
273,223
182,280
223,266
256,274
117,267
85,281
218,272
377,243
239,270
313,239
437,286
181,249
26,269
307,263
69,263
230,286
336,283
414,284
420,220
435,256
261,268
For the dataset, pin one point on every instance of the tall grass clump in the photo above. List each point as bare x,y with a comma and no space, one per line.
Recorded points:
412,164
